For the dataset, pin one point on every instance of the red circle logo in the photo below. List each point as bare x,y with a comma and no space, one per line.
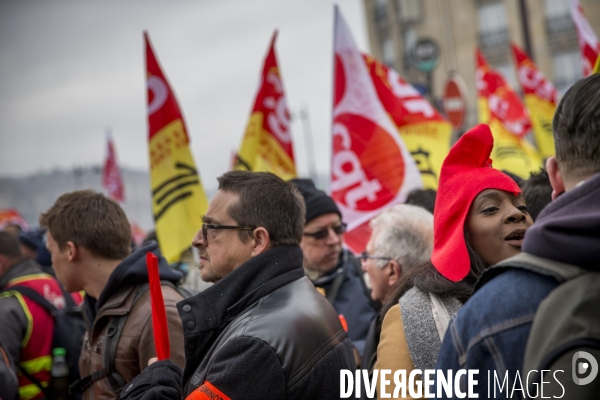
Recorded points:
367,165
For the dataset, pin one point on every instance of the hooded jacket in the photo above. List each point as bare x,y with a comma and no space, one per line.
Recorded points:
352,300
490,332
136,344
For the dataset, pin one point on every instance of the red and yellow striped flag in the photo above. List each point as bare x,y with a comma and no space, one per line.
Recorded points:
500,108
540,99
423,129
178,198
267,143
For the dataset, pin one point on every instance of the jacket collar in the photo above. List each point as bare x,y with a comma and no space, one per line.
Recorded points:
567,229
249,282
330,275
21,267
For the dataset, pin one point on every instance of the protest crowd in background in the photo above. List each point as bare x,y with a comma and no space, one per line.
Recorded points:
476,259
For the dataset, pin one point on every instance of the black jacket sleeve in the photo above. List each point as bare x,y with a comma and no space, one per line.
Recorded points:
246,368
8,379
160,381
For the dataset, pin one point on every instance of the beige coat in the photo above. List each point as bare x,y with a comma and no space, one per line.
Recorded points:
392,351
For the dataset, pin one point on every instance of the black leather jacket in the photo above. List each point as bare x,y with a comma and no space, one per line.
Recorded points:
262,332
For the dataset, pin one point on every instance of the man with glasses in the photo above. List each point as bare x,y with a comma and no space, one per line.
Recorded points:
333,270
261,331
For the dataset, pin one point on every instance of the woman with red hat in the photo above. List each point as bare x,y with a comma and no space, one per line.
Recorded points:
480,219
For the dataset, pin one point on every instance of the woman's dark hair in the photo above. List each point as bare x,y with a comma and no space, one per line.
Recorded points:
428,279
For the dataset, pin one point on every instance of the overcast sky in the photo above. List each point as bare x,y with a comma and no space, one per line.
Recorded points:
69,69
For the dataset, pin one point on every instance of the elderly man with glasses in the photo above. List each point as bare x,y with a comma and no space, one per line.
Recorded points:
333,270
401,239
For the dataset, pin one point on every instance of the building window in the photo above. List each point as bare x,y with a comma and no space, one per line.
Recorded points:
557,8
409,10
558,16
493,31
567,70
387,50
381,13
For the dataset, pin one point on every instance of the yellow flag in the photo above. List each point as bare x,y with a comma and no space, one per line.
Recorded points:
513,154
267,143
178,198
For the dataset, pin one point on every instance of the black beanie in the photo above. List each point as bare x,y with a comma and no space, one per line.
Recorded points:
317,202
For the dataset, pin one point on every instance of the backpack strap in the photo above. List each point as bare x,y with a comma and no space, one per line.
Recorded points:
113,334
560,271
36,297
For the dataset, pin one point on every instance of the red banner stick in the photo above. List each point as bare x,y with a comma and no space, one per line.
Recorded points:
159,314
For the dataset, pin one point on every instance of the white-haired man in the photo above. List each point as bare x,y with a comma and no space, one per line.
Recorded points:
401,238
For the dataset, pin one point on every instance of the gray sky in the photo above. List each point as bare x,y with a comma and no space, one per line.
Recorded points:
69,69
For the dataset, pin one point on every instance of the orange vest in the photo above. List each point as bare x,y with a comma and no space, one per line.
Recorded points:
36,349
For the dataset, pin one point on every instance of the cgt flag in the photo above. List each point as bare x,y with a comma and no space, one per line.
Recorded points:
112,179
424,131
267,143
178,199
589,47
540,99
502,110
371,167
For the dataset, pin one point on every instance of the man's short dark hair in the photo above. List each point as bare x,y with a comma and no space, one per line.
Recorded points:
268,201
423,198
537,191
576,128
91,220
9,246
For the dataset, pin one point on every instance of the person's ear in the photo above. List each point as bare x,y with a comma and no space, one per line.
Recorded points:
555,176
262,241
395,272
72,251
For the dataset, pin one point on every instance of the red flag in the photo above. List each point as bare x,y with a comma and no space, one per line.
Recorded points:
503,102
540,99
371,167
267,143
111,173
159,313
424,131
502,110
589,47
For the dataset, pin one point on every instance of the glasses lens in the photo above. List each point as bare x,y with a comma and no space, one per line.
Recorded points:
322,234
364,256
339,229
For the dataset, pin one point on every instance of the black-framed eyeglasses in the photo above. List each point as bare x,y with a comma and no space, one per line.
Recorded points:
364,256
323,233
206,227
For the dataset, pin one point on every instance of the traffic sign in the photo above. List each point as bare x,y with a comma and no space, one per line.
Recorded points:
425,54
454,102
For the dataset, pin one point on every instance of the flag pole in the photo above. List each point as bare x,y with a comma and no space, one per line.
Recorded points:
310,154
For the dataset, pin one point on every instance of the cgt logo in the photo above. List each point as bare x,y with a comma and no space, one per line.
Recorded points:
582,362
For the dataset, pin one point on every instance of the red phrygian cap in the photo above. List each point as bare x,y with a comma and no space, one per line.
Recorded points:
466,171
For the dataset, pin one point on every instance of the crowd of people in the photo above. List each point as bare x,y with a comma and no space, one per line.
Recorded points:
458,280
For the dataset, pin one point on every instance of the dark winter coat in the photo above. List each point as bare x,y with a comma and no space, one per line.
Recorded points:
262,332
